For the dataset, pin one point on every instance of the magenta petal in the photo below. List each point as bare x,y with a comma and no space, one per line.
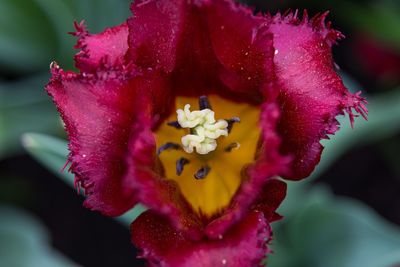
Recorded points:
203,44
243,245
112,149
260,177
272,195
96,110
172,37
312,94
243,45
108,47
155,31
157,193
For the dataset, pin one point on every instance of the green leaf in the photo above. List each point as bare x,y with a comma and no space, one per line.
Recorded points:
379,18
26,37
52,153
25,106
383,122
329,231
24,242
131,215
34,32
61,17
101,14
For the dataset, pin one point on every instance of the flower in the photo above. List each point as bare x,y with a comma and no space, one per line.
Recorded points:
263,93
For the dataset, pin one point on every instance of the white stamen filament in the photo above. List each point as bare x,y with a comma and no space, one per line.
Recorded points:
205,129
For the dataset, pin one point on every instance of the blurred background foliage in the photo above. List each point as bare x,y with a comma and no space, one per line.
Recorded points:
347,214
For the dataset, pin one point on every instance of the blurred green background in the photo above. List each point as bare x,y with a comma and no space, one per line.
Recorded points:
346,214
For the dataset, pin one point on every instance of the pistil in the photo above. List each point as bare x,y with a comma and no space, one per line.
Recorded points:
204,129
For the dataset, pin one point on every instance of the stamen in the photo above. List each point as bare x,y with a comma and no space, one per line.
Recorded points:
202,172
204,103
167,146
180,163
231,146
174,124
231,121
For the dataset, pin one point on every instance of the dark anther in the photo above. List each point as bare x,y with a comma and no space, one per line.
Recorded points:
231,121
179,165
232,146
174,124
203,102
168,145
202,172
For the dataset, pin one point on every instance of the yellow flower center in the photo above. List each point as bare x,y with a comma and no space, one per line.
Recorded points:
210,177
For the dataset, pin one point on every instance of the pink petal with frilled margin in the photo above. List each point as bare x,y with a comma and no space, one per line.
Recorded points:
312,94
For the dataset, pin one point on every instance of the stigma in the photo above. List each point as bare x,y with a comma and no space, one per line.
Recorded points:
201,131
204,128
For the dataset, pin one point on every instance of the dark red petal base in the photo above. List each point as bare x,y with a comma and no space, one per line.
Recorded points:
245,244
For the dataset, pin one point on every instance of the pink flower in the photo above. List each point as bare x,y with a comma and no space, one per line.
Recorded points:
211,184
